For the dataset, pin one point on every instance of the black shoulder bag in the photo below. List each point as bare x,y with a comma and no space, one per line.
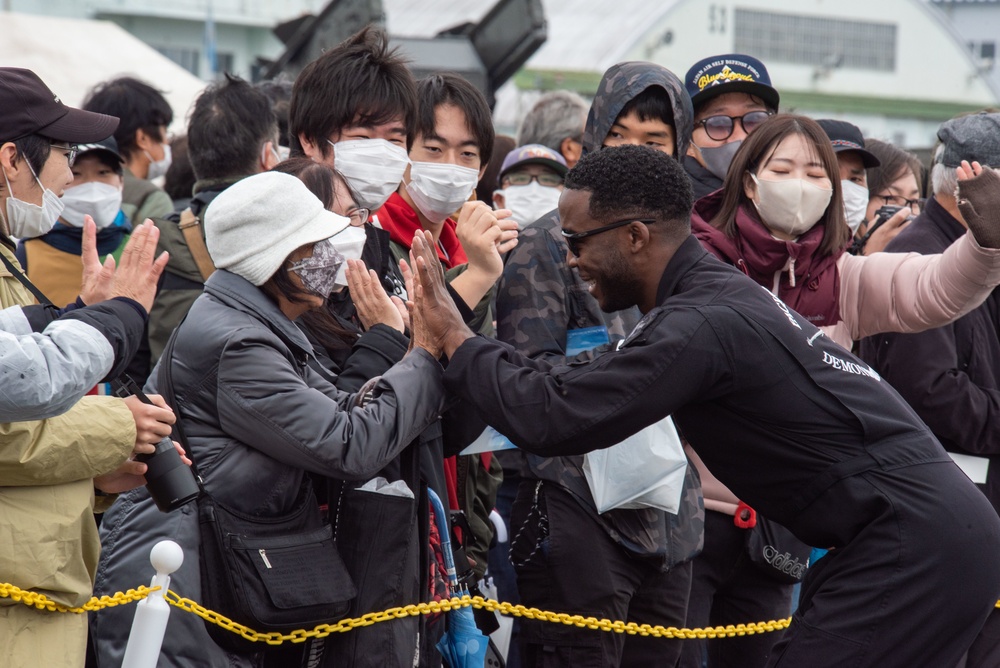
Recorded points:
268,573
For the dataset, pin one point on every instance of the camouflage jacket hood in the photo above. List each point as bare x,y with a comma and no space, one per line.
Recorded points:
623,82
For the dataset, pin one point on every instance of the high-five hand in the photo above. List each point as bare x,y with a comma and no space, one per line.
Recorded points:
434,314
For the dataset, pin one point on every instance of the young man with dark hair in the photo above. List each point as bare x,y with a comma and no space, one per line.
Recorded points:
548,312
142,141
798,427
355,108
232,134
452,145
450,150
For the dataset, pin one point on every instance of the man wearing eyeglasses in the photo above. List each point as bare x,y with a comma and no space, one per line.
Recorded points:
637,562
731,95
531,179
796,425
50,468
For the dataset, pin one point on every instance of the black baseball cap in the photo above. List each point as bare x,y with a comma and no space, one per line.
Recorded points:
28,107
108,146
847,137
730,73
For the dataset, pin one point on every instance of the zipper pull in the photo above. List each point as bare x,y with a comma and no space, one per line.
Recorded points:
263,555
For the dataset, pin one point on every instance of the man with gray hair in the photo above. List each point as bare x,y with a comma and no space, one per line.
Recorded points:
951,375
556,121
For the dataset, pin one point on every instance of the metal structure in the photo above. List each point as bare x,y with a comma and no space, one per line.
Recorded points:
487,53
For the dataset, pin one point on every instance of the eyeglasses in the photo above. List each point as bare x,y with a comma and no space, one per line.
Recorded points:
898,200
721,128
358,216
573,239
72,149
547,179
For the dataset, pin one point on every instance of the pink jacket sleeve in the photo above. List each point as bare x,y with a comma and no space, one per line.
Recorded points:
909,292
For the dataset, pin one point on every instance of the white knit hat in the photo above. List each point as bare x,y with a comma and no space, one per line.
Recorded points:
252,226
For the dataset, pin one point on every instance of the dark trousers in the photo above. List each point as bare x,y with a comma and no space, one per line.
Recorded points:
500,568
566,562
914,583
726,588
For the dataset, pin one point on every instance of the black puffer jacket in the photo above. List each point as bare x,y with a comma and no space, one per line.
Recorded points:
258,418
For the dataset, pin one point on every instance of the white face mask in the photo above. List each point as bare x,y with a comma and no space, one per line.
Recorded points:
792,206
158,168
440,189
855,204
275,154
100,201
349,243
26,220
373,168
529,203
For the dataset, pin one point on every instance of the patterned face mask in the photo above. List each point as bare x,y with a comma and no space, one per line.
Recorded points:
319,271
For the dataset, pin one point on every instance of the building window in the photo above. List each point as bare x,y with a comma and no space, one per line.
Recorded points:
809,40
186,58
988,50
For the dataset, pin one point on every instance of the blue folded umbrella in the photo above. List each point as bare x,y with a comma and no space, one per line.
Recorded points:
462,645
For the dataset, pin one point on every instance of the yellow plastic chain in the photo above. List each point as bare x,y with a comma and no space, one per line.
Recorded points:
301,635
323,630
42,602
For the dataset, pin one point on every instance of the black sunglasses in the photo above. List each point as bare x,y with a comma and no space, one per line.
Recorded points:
721,128
573,239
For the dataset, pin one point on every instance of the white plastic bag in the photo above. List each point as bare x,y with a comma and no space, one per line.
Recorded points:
646,470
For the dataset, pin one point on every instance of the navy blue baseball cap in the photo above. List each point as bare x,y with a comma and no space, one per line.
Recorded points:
846,136
729,73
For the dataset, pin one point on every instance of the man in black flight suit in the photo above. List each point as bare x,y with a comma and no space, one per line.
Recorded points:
794,424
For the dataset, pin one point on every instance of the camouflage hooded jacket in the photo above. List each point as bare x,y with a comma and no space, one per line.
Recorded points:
540,299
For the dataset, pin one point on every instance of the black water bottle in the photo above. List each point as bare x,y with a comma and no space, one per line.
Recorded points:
169,480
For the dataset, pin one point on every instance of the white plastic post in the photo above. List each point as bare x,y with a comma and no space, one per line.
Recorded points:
151,614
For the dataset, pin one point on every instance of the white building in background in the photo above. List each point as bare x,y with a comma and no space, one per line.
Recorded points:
895,68
73,55
978,23
177,28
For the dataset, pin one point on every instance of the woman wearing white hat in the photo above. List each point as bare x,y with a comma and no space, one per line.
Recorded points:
258,419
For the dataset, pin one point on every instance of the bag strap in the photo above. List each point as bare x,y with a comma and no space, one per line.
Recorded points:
165,382
23,280
190,227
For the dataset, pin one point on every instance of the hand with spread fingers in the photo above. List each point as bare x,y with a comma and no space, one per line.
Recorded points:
437,324
371,302
98,277
979,201
137,276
